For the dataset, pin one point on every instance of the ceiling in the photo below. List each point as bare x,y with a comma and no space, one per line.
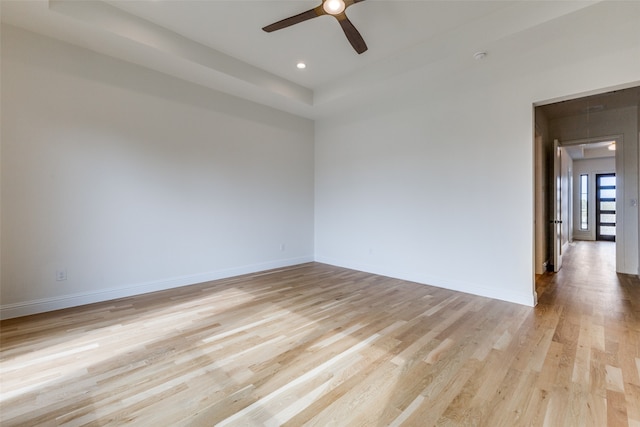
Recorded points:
594,150
220,44
628,97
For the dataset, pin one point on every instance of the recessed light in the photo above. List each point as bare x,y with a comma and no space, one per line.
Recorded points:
301,65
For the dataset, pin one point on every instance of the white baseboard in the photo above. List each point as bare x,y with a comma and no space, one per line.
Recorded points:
528,299
8,311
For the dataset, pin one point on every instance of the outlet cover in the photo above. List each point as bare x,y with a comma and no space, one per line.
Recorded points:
61,275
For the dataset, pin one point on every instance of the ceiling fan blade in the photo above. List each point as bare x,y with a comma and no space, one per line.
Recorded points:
296,19
353,35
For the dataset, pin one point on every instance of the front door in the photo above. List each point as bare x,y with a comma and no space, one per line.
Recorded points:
606,207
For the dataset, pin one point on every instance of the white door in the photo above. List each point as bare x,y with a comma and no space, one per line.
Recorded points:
556,209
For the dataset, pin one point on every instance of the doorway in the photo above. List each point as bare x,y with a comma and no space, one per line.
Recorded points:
586,127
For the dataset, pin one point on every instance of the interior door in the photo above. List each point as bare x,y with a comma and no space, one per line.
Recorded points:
556,208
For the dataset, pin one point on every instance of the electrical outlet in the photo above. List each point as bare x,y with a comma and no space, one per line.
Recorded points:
282,247
61,275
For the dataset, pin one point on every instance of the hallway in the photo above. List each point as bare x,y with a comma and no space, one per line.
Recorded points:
597,337
588,270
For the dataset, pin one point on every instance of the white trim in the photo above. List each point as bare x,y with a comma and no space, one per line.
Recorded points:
439,282
8,311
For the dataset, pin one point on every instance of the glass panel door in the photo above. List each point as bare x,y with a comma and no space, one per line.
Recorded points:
606,207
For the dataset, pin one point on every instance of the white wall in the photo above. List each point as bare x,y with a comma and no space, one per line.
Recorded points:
433,181
621,122
133,181
590,167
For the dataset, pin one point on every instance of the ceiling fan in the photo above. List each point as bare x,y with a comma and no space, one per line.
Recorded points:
335,8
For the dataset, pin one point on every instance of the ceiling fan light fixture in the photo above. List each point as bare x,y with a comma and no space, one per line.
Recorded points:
301,65
334,7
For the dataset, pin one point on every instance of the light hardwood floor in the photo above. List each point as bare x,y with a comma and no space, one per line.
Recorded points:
319,345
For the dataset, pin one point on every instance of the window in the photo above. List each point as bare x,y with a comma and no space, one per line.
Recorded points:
584,202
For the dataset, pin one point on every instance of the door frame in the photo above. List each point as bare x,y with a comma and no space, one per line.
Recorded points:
619,162
619,171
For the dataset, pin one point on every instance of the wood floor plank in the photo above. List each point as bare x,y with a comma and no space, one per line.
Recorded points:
321,345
